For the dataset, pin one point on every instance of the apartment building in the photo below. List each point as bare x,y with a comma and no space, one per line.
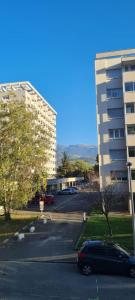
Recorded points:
115,92
46,114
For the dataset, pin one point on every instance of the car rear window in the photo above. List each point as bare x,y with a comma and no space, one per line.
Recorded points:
98,250
95,250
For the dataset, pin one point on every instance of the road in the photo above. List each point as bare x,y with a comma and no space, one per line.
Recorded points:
71,203
43,265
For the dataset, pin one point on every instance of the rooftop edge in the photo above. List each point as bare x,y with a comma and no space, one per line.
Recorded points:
115,53
33,88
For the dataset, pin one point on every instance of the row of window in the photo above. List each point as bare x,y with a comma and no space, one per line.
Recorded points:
118,133
129,68
113,73
120,154
116,73
118,92
122,175
119,175
114,93
119,112
115,112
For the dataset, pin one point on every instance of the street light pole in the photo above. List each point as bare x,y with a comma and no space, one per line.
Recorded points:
129,164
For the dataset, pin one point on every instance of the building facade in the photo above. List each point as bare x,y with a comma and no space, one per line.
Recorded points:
115,92
63,183
46,114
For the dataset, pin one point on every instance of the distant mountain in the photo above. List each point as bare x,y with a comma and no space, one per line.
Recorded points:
79,151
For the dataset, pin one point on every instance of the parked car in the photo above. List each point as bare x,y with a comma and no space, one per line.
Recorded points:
49,199
103,257
68,191
76,189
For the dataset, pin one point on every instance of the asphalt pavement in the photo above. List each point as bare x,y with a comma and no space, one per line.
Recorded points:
43,265
60,281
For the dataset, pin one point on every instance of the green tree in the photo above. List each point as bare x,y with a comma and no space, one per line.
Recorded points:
96,166
65,168
80,168
23,145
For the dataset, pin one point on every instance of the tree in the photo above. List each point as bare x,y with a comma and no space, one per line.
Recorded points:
111,198
65,168
107,197
23,147
96,166
80,168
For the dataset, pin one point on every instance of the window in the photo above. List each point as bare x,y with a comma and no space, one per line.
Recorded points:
132,67
115,113
113,73
114,93
133,174
129,86
118,154
130,108
111,251
126,68
119,175
131,151
131,129
97,250
116,133
129,68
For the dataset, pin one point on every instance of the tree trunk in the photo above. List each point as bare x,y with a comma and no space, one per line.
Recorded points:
108,223
7,216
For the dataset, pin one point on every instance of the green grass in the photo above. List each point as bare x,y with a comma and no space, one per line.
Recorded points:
7,229
96,228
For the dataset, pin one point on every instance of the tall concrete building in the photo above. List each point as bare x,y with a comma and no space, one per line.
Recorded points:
46,114
115,91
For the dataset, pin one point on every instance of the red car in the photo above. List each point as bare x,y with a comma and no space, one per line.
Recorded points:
49,199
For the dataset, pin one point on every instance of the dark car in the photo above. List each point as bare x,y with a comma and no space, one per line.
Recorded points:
49,199
105,257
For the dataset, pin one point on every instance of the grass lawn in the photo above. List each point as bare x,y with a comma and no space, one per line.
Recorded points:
96,228
7,229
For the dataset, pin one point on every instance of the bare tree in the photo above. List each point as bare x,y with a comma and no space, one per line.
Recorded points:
107,196
111,197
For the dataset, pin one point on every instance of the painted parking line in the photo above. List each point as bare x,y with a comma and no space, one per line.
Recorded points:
5,241
65,202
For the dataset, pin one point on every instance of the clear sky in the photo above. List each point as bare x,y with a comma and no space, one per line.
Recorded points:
53,43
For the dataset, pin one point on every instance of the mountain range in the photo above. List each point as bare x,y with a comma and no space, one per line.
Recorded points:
78,151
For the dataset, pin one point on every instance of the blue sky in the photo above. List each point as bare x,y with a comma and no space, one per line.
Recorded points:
53,43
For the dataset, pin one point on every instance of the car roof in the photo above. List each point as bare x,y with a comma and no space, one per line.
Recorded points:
92,242
98,242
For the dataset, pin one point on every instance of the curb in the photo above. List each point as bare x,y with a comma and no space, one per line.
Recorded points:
79,235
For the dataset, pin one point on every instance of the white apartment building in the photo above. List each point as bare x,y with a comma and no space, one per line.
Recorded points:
115,92
46,114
